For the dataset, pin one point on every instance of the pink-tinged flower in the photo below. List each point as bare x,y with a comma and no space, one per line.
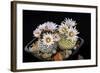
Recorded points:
69,22
49,26
41,27
37,33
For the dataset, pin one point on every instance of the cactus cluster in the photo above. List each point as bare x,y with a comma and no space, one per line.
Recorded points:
56,41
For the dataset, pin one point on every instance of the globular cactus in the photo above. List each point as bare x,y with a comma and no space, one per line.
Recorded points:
47,49
55,42
66,43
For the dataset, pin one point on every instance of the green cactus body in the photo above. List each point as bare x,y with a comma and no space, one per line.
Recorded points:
66,43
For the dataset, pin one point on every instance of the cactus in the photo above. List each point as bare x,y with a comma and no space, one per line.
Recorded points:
47,49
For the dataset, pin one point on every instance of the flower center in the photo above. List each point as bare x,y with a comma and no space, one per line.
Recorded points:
71,34
48,40
65,30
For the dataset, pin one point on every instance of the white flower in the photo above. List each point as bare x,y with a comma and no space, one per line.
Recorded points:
56,37
49,26
48,39
69,22
72,34
63,28
37,33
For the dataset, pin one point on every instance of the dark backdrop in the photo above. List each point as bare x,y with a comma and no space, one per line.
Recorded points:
31,19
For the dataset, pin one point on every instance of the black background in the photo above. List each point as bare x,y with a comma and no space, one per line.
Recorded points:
31,19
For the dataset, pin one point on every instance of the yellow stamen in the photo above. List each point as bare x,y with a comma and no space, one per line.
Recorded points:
48,40
71,34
